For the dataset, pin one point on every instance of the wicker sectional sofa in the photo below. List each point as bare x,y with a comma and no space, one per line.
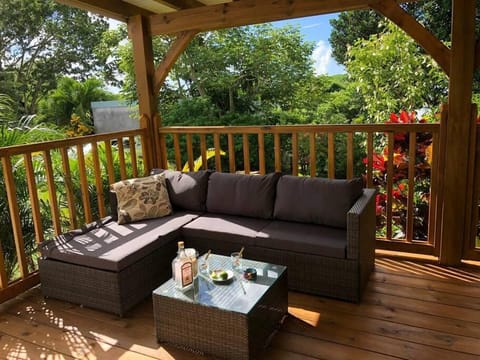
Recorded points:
322,230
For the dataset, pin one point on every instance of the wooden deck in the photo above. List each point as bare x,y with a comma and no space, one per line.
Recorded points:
410,311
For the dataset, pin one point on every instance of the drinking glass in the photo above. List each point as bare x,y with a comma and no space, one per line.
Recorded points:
236,261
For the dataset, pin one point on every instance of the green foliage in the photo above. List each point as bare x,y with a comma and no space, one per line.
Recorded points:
71,97
247,70
41,40
390,73
350,27
422,173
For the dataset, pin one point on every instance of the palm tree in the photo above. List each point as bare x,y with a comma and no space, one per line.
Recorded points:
16,131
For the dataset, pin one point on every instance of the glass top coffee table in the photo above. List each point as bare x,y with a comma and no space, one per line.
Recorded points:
232,320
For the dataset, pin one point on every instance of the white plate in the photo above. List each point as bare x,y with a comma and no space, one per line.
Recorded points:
221,281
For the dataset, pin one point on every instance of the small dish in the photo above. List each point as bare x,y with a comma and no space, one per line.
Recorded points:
250,274
218,279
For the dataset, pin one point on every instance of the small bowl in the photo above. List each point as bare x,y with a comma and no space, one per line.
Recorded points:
250,274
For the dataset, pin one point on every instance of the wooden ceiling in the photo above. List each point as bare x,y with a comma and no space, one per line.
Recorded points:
174,16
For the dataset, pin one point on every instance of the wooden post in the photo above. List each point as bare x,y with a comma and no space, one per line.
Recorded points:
456,169
147,101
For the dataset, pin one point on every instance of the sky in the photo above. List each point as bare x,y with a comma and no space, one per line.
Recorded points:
317,29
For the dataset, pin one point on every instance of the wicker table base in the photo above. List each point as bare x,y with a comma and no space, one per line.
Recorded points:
232,321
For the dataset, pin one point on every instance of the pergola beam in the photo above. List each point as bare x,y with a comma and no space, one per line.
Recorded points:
430,43
177,48
246,12
115,9
181,4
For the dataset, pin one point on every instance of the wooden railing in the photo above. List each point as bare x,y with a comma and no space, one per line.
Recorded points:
334,151
55,186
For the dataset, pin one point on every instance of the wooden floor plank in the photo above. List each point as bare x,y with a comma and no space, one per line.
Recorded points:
387,312
328,318
429,295
19,349
422,283
321,349
410,310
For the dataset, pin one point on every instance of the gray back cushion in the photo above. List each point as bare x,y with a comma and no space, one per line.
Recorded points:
187,190
316,200
244,195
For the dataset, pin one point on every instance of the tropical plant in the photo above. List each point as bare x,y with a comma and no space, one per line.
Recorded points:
71,100
390,73
400,190
40,40
14,131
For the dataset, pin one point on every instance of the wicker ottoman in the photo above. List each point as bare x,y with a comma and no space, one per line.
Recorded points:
230,321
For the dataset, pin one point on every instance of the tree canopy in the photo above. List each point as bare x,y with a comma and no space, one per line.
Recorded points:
246,70
390,73
41,41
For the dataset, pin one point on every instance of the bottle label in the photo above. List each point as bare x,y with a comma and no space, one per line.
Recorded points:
187,274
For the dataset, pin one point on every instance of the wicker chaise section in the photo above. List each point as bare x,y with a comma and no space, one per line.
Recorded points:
114,267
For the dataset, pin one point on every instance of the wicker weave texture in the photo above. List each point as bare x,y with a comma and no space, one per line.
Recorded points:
114,292
219,332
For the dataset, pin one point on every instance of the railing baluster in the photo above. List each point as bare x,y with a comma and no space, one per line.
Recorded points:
178,157
190,158
246,154
121,159
412,147
434,191
67,179
218,159
278,159
350,157
33,194
261,153
203,150
313,155
3,273
231,153
52,192
370,160
295,154
390,143
15,218
84,184
133,155
98,180
163,146
109,156
331,155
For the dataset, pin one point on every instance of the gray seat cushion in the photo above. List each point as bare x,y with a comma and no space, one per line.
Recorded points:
303,238
187,190
316,200
244,195
114,247
236,229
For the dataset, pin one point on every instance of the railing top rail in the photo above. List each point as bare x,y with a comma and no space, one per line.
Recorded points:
285,129
55,144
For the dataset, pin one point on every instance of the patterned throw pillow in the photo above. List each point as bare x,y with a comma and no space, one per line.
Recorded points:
142,198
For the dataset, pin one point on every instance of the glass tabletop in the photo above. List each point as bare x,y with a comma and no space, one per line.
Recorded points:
237,295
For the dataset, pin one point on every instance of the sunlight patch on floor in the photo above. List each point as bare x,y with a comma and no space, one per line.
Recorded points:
307,316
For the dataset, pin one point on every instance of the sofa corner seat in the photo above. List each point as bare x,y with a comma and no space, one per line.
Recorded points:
113,267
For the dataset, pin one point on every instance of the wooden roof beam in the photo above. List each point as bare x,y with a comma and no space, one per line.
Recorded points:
246,12
431,44
115,9
177,48
181,4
